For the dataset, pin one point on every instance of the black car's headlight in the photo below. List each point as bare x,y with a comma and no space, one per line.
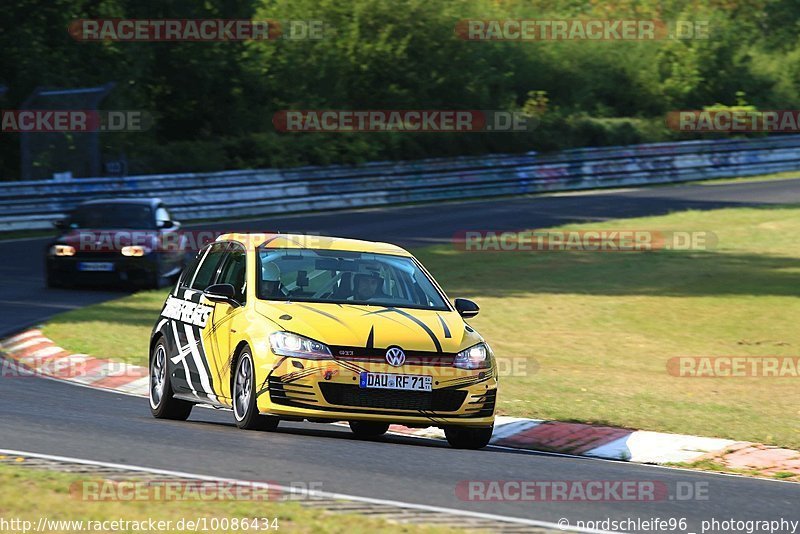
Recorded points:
288,344
476,357
135,251
62,250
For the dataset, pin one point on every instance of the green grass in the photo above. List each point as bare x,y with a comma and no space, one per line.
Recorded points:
586,336
29,494
716,466
786,175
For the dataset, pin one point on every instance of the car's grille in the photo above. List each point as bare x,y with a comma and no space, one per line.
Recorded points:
281,393
413,357
482,405
447,400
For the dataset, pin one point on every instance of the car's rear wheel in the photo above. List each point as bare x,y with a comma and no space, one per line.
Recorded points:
163,405
368,429
468,438
245,410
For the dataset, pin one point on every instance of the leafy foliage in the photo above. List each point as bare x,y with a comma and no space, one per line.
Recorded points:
214,101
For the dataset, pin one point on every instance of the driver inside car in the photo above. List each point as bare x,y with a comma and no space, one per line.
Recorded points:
368,286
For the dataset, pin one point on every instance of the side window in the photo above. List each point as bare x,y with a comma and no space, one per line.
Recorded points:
189,270
162,215
208,268
233,272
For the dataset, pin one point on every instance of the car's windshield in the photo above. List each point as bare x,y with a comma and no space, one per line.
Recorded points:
137,216
345,277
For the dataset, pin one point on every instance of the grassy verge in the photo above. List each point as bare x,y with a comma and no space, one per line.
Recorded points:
29,494
590,333
709,464
787,175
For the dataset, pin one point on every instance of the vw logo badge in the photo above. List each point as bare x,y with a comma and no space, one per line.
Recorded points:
395,356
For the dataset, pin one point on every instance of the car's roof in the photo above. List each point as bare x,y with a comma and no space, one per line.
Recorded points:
122,200
309,241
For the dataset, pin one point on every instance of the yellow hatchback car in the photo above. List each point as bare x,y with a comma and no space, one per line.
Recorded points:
299,327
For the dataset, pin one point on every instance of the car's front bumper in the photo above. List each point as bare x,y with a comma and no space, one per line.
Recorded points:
136,270
329,390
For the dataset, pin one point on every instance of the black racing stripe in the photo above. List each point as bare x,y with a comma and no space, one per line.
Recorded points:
468,383
326,314
419,323
444,326
385,310
350,366
371,337
198,334
291,377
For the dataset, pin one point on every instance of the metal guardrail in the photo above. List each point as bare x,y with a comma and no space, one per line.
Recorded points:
220,195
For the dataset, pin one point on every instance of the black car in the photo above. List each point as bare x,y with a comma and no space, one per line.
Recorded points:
131,241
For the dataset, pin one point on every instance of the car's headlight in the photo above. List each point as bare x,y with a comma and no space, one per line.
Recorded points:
135,251
288,344
62,250
476,357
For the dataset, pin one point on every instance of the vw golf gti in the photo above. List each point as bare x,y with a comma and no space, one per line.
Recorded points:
298,327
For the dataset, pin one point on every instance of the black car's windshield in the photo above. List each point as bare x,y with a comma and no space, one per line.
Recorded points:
108,216
337,276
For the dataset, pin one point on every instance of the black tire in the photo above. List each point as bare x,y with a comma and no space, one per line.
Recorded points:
468,438
368,429
163,404
243,396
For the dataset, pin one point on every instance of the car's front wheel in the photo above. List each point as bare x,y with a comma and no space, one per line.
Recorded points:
468,438
163,405
368,429
245,410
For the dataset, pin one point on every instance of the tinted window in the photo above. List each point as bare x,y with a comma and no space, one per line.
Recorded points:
208,269
339,276
191,267
162,214
116,215
233,272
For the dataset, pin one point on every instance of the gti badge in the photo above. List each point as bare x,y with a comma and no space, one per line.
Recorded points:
395,356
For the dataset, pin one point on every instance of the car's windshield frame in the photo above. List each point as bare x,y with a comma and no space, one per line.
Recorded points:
447,306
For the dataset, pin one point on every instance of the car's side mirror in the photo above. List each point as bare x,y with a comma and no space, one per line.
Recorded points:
60,224
169,225
466,308
221,293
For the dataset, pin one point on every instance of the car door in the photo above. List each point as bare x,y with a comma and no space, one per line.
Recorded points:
193,330
224,319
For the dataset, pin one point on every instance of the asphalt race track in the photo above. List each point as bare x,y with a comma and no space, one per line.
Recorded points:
48,417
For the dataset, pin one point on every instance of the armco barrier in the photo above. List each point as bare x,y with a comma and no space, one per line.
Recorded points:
217,195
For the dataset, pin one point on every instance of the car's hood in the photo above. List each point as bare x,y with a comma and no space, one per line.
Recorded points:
372,326
88,239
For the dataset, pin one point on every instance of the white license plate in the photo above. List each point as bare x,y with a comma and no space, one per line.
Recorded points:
104,266
392,381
